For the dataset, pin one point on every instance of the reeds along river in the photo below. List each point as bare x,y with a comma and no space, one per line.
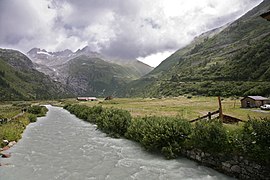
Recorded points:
60,146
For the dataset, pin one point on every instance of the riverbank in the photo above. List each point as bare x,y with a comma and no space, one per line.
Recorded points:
241,153
12,128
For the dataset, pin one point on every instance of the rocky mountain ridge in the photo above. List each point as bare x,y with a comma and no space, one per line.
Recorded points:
86,72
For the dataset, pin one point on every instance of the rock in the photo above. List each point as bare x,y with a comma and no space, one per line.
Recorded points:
5,155
202,154
241,158
5,141
256,166
12,143
225,164
236,168
5,148
198,158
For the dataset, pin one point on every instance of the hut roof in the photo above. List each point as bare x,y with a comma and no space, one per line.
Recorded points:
258,98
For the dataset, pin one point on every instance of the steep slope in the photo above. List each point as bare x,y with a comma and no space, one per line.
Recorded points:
20,81
235,61
151,80
94,77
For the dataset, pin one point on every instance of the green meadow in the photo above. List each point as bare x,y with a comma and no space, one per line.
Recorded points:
186,107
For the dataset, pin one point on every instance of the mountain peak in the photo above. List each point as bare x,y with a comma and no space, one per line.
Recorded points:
88,52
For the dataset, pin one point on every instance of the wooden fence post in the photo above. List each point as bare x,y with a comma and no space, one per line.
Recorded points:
209,115
220,109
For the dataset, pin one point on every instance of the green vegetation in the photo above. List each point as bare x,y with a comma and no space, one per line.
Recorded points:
256,139
101,78
210,136
112,121
37,110
186,107
233,61
164,134
169,135
20,81
13,129
9,110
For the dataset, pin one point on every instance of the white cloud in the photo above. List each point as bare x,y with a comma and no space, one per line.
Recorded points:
121,28
155,59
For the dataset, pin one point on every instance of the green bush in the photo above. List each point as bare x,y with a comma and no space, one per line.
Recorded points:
93,114
164,134
32,118
256,140
34,109
210,136
114,121
37,110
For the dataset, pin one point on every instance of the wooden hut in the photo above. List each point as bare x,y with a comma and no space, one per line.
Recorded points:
86,98
254,101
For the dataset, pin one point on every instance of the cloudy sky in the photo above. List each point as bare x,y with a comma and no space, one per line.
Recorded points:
146,29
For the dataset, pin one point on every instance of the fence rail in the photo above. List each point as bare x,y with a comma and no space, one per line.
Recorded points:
209,116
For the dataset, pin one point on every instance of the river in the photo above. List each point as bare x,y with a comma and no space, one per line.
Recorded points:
61,146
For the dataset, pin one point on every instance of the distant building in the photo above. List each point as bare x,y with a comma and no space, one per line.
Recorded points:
87,99
254,101
266,16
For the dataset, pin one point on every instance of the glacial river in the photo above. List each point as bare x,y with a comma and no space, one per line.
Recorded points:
61,146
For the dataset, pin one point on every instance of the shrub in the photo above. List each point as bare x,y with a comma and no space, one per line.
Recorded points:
37,110
94,113
164,134
34,109
114,121
256,140
210,136
32,118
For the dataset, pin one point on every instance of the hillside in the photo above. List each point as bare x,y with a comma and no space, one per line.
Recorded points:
234,61
20,81
87,76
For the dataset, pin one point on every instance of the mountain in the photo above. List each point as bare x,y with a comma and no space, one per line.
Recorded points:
94,76
229,61
20,81
86,72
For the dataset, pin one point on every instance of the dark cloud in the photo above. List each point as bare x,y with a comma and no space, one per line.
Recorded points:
120,28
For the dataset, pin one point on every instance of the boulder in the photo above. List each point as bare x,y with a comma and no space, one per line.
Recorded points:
5,155
5,148
12,143
236,168
5,141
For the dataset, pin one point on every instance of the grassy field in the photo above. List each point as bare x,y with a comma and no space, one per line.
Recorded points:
179,106
8,110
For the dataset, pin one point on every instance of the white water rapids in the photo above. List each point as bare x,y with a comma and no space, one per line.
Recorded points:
61,146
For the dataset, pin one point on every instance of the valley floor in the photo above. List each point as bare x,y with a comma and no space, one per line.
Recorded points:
185,107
